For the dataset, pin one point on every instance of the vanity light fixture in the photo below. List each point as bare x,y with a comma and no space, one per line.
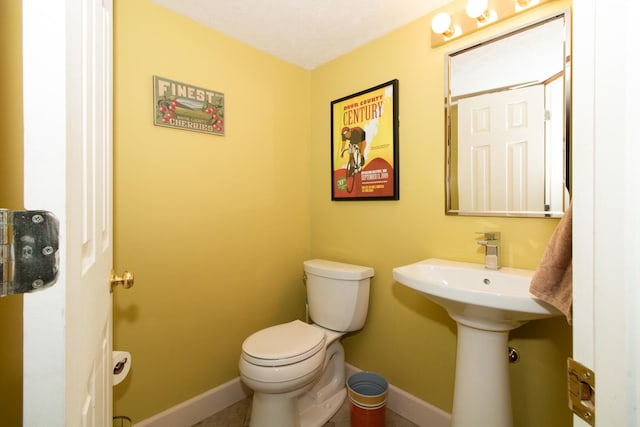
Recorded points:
450,24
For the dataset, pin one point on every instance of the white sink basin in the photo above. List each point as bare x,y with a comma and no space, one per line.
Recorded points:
486,305
471,294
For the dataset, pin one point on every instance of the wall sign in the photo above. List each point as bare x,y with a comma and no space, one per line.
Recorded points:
184,106
364,144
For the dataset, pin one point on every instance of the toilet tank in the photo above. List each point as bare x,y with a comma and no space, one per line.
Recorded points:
338,294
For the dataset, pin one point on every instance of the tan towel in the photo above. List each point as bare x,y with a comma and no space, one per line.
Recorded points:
552,282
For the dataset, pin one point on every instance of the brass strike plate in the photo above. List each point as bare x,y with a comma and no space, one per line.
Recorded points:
582,391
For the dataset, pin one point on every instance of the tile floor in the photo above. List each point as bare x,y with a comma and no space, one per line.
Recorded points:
237,415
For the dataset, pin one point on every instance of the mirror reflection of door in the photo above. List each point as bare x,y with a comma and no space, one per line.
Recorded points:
507,109
501,151
556,193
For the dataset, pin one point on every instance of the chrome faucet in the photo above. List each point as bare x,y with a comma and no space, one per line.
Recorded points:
491,243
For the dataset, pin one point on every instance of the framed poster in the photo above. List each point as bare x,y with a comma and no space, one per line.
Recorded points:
364,144
185,106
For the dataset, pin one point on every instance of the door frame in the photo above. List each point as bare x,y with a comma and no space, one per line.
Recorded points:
67,108
606,223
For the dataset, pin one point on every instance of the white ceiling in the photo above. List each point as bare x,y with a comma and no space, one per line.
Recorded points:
307,33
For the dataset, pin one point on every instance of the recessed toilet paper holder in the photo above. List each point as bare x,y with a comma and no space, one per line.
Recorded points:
120,365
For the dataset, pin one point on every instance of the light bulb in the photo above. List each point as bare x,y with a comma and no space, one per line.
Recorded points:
441,24
525,4
477,9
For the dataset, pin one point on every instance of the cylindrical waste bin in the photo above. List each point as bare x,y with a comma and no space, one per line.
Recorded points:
368,397
122,421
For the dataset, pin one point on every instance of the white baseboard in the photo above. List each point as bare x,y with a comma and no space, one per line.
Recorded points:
410,407
200,407
208,403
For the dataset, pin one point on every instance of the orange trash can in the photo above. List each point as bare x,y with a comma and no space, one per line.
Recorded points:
368,396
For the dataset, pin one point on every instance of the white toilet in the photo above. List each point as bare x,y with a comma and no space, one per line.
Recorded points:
296,370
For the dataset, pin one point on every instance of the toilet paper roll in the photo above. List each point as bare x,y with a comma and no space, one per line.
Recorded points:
120,366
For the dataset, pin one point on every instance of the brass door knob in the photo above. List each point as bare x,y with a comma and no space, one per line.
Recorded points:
126,280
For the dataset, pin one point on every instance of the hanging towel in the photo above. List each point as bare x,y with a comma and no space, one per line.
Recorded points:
552,282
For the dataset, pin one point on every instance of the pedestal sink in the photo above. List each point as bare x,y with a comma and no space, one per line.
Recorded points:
486,305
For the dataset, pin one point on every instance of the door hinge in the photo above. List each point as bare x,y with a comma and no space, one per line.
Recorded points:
582,391
29,251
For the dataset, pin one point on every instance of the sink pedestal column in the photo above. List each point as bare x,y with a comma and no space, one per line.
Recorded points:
482,394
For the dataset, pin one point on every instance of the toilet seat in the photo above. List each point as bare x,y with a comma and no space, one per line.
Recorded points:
283,345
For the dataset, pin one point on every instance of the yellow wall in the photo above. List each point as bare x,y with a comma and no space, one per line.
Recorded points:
215,228
11,187
408,339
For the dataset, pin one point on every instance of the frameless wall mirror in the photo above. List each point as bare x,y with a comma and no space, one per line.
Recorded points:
507,113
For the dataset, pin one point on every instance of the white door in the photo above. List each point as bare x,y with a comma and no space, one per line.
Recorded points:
67,77
606,205
501,151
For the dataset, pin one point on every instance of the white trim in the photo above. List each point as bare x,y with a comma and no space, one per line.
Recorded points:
199,407
208,403
45,29
606,299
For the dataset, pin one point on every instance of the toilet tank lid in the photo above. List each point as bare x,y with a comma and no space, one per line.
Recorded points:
337,270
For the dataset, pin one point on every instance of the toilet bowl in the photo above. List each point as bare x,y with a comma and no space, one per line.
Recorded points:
279,379
296,370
